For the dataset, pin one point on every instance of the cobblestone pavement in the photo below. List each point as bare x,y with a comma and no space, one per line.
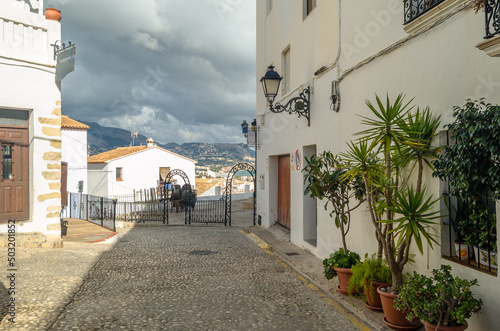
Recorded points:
151,280
45,282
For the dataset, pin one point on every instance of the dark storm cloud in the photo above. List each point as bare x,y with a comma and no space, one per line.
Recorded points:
177,70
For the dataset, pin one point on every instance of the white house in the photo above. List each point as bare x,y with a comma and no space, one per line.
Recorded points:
352,50
73,159
30,123
125,169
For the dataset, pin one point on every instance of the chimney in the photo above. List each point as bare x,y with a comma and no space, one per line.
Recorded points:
150,142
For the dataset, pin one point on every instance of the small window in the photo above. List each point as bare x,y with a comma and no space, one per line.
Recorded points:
286,71
6,162
13,117
119,174
309,5
269,6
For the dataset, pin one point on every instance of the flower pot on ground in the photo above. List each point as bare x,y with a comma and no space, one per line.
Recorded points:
336,264
442,299
368,276
434,327
394,318
343,275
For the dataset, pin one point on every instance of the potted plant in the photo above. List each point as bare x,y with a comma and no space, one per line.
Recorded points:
368,275
439,301
339,264
399,211
470,166
323,176
461,223
485,242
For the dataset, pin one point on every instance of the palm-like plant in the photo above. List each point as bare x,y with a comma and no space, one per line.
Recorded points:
420,129
395,136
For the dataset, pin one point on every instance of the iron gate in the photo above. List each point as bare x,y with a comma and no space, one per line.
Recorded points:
217,211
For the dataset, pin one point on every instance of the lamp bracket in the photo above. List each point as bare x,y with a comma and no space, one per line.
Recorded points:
299,105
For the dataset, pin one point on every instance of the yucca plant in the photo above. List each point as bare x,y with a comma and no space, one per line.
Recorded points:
399,212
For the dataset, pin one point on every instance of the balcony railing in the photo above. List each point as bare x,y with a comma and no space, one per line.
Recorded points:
492,18
416,8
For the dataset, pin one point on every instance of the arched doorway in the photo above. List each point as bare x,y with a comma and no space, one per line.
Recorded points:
229,184
167,186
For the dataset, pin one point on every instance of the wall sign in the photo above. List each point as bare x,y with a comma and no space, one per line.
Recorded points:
298,160
292,166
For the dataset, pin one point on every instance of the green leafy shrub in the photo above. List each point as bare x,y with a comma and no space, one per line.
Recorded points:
373,269
441,299
339,259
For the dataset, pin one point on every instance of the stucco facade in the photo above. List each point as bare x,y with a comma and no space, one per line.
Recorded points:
139,170
364,46
28,84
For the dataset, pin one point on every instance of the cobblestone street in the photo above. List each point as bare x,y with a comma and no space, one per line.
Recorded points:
156,279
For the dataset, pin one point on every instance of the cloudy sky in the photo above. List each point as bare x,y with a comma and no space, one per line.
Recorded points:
175,70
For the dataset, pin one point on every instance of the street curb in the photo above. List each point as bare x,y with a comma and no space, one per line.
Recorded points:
341,307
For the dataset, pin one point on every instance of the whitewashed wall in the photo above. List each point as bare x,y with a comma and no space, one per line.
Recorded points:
27,71
440,68
74,152
139,171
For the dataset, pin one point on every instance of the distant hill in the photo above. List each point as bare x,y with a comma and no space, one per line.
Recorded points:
217,155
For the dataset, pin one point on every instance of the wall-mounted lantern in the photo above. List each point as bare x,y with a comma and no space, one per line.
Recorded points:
300,105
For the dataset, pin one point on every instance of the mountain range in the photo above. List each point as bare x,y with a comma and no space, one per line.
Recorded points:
214,155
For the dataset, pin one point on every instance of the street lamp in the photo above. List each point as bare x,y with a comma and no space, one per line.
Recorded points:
300,105
252,142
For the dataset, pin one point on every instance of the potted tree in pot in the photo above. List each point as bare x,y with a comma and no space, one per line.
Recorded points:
400,213
324,180
339,264
369,275
442,302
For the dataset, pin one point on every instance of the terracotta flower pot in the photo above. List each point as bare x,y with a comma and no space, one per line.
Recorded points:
395,319
372,296
344,274
432,327
53,14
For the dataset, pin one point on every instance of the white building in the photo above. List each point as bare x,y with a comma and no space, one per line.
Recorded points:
30,123
123,170
73,159
364,48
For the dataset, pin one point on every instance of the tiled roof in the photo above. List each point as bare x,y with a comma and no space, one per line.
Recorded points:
68,123
114,154
124,151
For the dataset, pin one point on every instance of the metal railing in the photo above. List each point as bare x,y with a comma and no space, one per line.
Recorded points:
492,18
416,8
142,206
92,208
472,233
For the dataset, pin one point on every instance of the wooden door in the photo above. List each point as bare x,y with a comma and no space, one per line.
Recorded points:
284,191
14,173
64,184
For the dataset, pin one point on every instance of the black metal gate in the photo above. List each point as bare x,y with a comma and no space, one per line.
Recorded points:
229,185
217,211
206,211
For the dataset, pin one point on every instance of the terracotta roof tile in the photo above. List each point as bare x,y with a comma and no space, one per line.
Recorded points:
123,151
113,154
68,123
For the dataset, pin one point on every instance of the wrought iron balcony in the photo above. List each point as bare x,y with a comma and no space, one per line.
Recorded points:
416,8
492,18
